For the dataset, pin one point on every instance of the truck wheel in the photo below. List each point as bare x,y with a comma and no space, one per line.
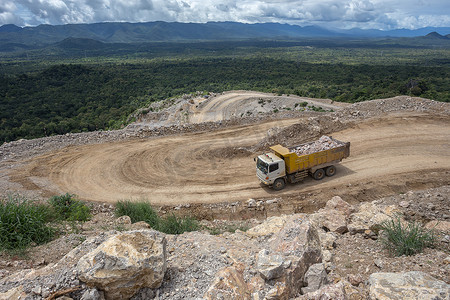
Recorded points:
319,174
278,184
330,171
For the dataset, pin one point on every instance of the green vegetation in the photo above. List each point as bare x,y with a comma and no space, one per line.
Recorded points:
59,94
24,222
67,207
405,238
143,211
176,225
301,104
138,211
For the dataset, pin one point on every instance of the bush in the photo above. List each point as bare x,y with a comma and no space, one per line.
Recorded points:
143,211
177,225
23,222
67,207
138,211
401,238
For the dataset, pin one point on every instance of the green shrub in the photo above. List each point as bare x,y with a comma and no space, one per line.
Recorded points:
138,211
401,238
304,104
67,207
143,211
23,222
177,225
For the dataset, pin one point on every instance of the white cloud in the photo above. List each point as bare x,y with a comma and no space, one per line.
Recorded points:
384,14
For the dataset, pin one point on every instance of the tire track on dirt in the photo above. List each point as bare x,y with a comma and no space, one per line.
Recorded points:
204,168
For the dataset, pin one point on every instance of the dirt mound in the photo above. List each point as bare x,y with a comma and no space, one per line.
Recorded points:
199,108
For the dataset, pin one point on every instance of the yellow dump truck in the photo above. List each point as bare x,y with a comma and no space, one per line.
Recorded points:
293,164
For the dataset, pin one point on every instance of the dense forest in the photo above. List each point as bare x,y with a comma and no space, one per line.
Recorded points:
88,95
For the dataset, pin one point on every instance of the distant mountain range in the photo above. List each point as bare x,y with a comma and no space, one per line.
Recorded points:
13,38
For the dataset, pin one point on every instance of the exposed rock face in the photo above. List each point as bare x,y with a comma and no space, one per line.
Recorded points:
327,239
342,290
333,217
438,225
270,266
228,283
409,285
274,260
124,263
315,277
271,226
340,205
299,242
370,216
51,278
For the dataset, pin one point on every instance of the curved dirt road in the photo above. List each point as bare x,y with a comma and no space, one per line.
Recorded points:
207,167
237,103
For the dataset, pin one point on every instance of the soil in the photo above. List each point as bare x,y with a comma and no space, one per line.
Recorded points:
185,169
206,170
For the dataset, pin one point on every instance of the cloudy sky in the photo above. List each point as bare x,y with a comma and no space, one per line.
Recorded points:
378,14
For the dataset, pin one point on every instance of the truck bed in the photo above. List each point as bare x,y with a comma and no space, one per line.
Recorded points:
314,155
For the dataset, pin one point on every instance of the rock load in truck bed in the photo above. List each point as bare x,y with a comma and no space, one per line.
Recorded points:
322,144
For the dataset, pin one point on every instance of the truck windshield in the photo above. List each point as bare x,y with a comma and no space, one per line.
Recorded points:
261,165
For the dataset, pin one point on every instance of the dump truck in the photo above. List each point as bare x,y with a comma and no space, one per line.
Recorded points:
294,164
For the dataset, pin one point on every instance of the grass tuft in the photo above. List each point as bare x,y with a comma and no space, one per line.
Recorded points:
143,211
23,223
138,211
67,207
401,238
177,225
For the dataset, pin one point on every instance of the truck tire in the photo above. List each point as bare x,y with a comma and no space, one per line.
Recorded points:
279,184
330,171
319,174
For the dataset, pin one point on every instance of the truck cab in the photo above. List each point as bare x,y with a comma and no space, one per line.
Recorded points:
271,170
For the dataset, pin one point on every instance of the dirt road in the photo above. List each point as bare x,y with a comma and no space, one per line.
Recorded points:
240,103
209,167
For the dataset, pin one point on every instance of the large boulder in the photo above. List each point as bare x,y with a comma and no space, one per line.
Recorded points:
370,216
271,266
228,283
334,215
43,282
408,285
336,203
125,263
331,219
269,227
298,237
342,290
299,242
315,278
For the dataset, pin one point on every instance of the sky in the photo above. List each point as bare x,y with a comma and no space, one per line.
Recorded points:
343,14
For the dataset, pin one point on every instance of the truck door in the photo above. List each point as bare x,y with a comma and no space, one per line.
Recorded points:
274,170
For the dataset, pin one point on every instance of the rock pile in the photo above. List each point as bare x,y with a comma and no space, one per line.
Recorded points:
282,258
322,144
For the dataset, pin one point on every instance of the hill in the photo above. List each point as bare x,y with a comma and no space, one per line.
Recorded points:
14,38
435,35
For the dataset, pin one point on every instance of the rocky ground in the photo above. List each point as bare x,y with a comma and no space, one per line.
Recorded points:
254,250
197,263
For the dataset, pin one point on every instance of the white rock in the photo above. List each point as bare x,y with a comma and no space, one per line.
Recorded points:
125,263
